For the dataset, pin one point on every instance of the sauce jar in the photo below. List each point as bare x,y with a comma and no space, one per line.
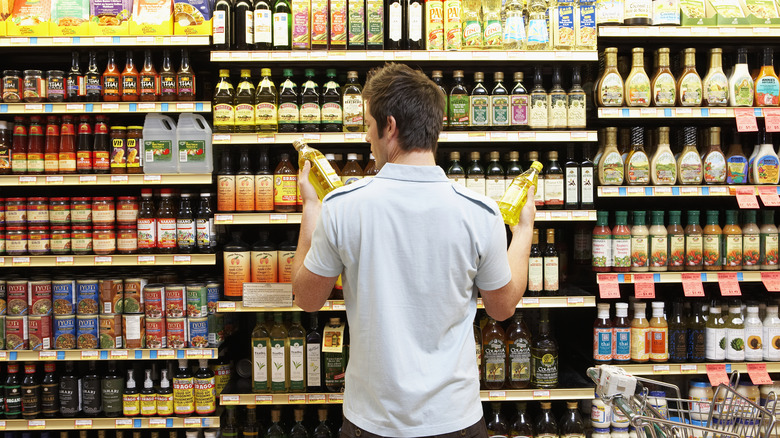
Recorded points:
60,240
81,240
127,210
127,239
55,85
16,212
59,211
16,241
118,136
39,241
38,211
2,211
81,211
104,240
34,86
134,148
12,86
103,212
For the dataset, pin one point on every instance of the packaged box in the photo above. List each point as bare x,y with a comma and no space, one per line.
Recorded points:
729,13
69,18
301,34
762,12
109,17
152,17
697,13
6,7
192,17
666,12
29,18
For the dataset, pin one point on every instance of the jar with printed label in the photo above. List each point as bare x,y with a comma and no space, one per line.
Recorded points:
55,85
12,86
60,240
600,432
618,419
103,212
81,240
657,400
619,432
127,210
127,239
700,394
601,413
748,390
16,241
104,240
34,86
39,240
59,211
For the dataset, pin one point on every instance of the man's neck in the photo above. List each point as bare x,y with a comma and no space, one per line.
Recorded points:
414,158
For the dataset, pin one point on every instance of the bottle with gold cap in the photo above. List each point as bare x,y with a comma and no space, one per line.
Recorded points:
245,103
513,201
353,104
224,104
494,178
266,103
456,172
322,176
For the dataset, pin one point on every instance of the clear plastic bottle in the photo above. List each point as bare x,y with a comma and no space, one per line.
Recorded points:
754,335
715,334
771,326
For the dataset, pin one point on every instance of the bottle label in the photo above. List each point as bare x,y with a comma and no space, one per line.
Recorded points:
289,113
319,23
638,9
676,250
297,364
500,110
558,115
111,85
602,250
551,273
587,185
435,24
576,111
609,11
472,34
519,360
285,190
611,91
224,114
694,250
544,372
415,13
278,366
148,404
264,193
621,251
260,365
535,274
263,24
459,110
338,23
514,30
479,111
771,344
281,29
539,193
205,395
572,185
621,349
767,169
494,358
640,343
492,34
265,113
767,91
612,169
754,342
714,168
131,405
129,85
602,344
519,103
167,84
313,361
66,162
564,24
353,110
716,343
164,404
659,350
658,250
331,113
183,396
310,113
715,89
553,190
638,169
149,84
735,343
537,111
743,92
690,90
538,34
395,23
690,168
639,248
245,114
185,233
736,170
166,233
664,90
453,24
147,233
638,90
218,27
733,250
476,184
769,249
711,250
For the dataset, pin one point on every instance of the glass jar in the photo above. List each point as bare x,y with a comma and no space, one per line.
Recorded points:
700,392
81,211
12,86
81,240
127,210
60,240
34,86
657,400
16,212
127,239
104,240
55,86
103,212
38,211
135,135
39,241
118,149
750,391
59,211
16,241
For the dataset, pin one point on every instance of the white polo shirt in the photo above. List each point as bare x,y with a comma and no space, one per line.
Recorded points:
413,248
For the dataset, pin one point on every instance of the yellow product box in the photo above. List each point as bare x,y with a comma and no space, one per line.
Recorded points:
109,17
192,17
29,18
5,14
69,18
152,17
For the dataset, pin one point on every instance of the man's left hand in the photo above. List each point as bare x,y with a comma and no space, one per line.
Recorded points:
308,193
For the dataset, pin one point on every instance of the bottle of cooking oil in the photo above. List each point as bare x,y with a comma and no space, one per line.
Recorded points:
517,193
266,103
224,104
322,176
245,103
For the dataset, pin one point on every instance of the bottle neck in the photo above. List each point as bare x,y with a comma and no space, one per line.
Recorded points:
716,61
611,60
663,60
638,60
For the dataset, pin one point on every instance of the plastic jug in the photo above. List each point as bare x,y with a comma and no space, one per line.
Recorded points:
193,139
160,146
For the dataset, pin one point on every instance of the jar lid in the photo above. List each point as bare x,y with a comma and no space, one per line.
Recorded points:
119,128
10,72
658,394
127,227
127,198
33,72
696,383
135,127
745,383
36,199
59,199
55,73
81,199
103,227
17,228
82,228
601,429
60,228
103,198
39,228
15,199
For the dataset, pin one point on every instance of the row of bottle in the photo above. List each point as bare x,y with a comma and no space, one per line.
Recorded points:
695,333
739,89
68,393
262,262
249,426
636,166
570,425
693,248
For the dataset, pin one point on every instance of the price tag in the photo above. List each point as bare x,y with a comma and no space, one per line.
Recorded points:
647,112
771,281
124,423
182,260
74,107
583,215
192,422
644,286
662,191
119,179
530,302
729,286
226,306
102,40
635,191
689,369
195,354
185,107
575,301
33,107
264,399
721,112
560,215
145,260
527,135
229,400
341,306
660,369
61,40
55,180
719,191
47,355
690,191
144,40
758,374
28,179
496,395
746,197
89,355
221,138
166,354
772,119
152,178
64,261
83,424
727,30
103,261
36,424
146,107
682,111
769,196
609,191
118,354
157,422
317,398
2,424
760,30
315,137
296,399
608,286
223,218
335,398
746,120
541,395
110,107
20,261
3,355
692,286
277,218
717,374
88,179
498,136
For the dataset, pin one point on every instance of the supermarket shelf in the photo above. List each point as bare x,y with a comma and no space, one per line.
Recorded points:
667,113
685,32
105,107
676,277
692,368
525,303
336,398
643,191
565,215
109,423
444,137
112,260
295,218
118,354
88,41
104,180
401,55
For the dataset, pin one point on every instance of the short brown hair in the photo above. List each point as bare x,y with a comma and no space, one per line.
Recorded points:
412,98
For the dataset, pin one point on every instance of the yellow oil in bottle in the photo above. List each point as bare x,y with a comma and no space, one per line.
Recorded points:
322,176
511,204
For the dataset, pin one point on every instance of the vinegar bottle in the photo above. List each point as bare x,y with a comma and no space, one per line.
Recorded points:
494,355
285,185
237,267
264,260
245,183
226,184
322,176
264,184
514,199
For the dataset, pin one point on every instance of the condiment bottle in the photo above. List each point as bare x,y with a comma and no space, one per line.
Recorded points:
771,325
518,340
479,119
204,389
166,224
551,265
602,243
752,158
245,183
224,104
602,336
766,163
557,116
183,397
533,156
164,395
285,185
458,103
694,242
147,223
131,401
148,397
621,335
150,81
111,87
267,103
476,174
715,84
658,242
5,149
639,243
689,83
66,158
245,103
35,147
353,103
663,167
611,163
714,160
206,233
84,143
769,241
689,166
576,102
736,162
640,335
111,388
715,333
712,241
659,333
31,393
767,84
732,243
237,267
167,78
735,334
553,183
741,88
50,403
519,103
351,173
186,85
664,86
610,86
754,335
535,267
676,239
186,231
621,243
637,166
678,334
130,80
538,112
637,89
697,344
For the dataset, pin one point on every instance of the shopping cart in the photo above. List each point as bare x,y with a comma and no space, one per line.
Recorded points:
729,415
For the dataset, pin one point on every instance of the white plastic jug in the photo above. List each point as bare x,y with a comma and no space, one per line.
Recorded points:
160,146
193,139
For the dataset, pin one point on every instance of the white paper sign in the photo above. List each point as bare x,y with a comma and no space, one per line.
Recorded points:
268,295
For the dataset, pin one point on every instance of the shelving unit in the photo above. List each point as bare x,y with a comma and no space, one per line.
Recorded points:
78,108
115,354
401,55
444,137
676,277
104,180
610,32
692,368
109,423
112,260
665,191
295,218
89,41
673,112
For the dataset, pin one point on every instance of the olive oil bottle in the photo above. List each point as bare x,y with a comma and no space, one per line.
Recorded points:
245,103
289,117
332,114
322,176
266,103
513,201
311,114
458,111
224,104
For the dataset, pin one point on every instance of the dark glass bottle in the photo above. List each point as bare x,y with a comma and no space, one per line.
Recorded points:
496,424
313,355
92,80
167,78
456,171
186,233
323,429
13,392
458,103
395,19
298,430
522,427
479,117
111,388
494,355
91,401
571,423
186,84
552,272
282,33
75,90
50,400
69,392
518,344
204,227
544,357
251,429
696,345
275,430
230,428
415,25
546,424
535,267
332,112
222,25
84,155
289,112
244,25
31,393
571,170
553,183
438,79
587,180
518,103
131,399
263,21
678,334
311,114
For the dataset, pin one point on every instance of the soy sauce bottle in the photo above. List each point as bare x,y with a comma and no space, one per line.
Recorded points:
13,392
31,393
50,400
69,392
91,399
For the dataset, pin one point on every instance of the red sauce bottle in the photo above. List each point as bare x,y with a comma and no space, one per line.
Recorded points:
67,155
185,83
5,149
101,150
51,153
19,147
150,81
84,158
111,80
35,147
130,80
167,78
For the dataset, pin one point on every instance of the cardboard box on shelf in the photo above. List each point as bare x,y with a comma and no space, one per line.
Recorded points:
697,13
6,7
29,18
192,17
69,18
109,17
152,17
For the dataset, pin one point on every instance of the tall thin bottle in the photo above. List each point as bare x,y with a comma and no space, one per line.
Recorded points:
458,111
282,18
715,85
538,113
245,103
544,356
310,113
289,116
689,85
266,103
332,113
494,354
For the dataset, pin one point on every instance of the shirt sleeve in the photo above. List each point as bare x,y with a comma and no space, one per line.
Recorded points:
493,270
323,257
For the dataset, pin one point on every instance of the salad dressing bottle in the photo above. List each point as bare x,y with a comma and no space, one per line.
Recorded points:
664,86
712,243
769,241
637,167
735,335
676,238
736,162
754,335
751,242
659,334
740,82
714,160
640,335
689,165
716,84
659,242
715,335
621,243
689,82
611,163
766,163
663,166
639,243
610,90
767,84
637,89
732,243
694,244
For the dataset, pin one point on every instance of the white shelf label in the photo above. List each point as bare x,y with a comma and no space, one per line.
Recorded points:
147,107
223,218
33,107
689,190
185,107
182,260
103,260
529,302
192,422
28,179
221,138
230,399
110,107
87,179
686,368
2,424
124,423
296,399
146,260
36,424
119,354
61,40
83,424
219,56
64,261
157,422
144,40
497,395
660,369
89,355
682,111
165,354
277,218
119,179
152,178
259,55
55,180
541,394
575,301
239,56
718,111
75,107
180,39
264,399
229,306
103,40
45,355
20,261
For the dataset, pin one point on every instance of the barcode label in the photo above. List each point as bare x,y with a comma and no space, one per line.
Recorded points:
149,156
182,156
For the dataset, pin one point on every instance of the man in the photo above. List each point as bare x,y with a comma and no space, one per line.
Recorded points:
413,248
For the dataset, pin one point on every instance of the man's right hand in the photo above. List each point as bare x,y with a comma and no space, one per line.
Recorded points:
527,215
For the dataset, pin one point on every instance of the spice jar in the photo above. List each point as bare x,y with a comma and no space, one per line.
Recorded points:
34,86
38,211
81,211
59,211
16,212
134,148
104,240
81,240
12,86
39,241
127,239
118,149
127,210
60,240
55,86
16,241
103,212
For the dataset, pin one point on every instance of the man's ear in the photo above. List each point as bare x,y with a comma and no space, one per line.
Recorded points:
391,128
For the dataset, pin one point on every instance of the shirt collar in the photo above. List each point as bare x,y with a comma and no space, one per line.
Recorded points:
405,172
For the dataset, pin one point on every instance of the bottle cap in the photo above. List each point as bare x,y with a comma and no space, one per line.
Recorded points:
351,156
352,74
287,72
498,76
474,156
495,155
514,155
453,155
479,76
457,74
552,155
518,76
537,165
245,73
265,72
436,74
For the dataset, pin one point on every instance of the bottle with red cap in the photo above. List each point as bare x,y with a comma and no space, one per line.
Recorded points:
84,156
147,223
166,224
